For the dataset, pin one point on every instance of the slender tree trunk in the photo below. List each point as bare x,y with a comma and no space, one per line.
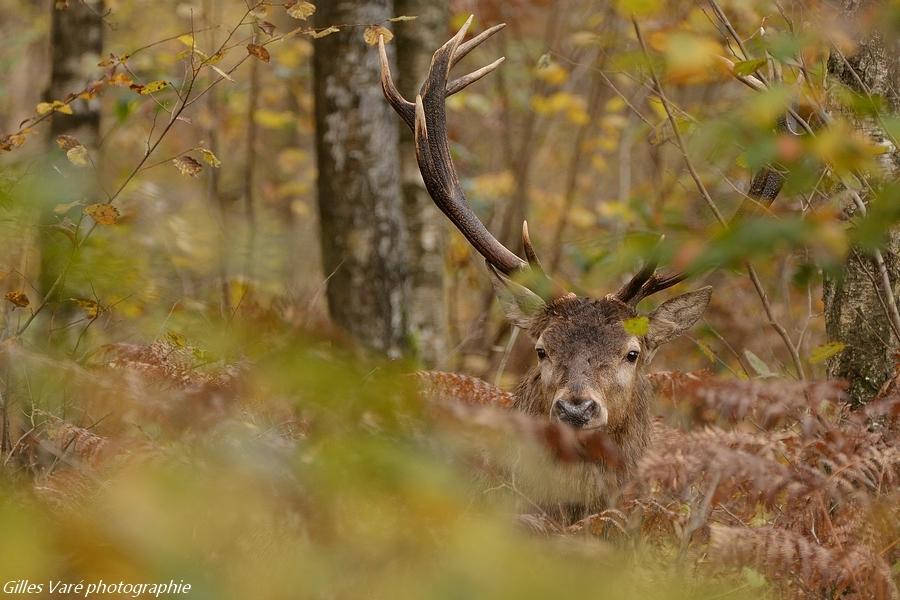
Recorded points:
76,44
76,35
363,231
855,313
416,41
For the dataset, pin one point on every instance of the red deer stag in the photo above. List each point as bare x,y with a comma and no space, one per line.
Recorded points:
590,371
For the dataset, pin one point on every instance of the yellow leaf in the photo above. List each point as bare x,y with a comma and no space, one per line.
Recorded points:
78,156
639,8
56,106
210,158
301,10
259,52
103,214
120,80
636,326
271,119
373,32
826,351
552,73
176,339
91,308
18,298
188,165
187,40
149,88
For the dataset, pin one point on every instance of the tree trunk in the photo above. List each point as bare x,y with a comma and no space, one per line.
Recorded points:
854,312
76,44
363,232
416,41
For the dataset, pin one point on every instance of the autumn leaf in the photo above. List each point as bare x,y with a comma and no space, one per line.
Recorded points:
18,298
210,158
120,80
176,339
824,352
91,308
402,18
188,165
67,142
113,60
149,88
56,106
372,33
78,156
268,28
639,8
636,326
103,214
13,140
259,52
301,10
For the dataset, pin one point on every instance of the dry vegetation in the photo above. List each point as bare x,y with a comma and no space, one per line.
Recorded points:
176,406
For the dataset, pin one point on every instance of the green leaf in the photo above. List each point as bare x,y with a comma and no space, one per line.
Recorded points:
747,67
826,351
758,365
636,326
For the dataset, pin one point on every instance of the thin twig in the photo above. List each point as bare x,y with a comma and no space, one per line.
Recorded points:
701,187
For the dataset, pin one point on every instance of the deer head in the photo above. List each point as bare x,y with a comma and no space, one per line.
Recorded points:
588,365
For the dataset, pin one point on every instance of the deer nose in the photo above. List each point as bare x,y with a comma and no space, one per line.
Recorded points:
575,410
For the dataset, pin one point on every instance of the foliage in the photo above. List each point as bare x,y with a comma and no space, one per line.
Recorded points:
173,404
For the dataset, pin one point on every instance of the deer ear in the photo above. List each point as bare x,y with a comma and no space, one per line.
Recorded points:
520,305
676,315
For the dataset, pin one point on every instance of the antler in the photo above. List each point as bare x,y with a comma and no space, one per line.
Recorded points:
428,119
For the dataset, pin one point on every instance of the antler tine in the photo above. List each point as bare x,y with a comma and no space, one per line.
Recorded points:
530,254
476,41
628,292
404,108
457,85
658,283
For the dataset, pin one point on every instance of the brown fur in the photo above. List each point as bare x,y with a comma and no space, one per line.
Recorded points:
585,339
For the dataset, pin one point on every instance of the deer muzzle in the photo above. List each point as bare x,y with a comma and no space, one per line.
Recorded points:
580,411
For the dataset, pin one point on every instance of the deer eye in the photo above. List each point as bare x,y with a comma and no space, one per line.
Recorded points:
632,356
541,353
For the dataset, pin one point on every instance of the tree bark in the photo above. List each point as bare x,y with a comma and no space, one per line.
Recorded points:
363,231
76,40
854,309
76,45
416,41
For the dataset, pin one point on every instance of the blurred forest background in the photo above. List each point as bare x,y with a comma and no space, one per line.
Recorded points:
220,263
